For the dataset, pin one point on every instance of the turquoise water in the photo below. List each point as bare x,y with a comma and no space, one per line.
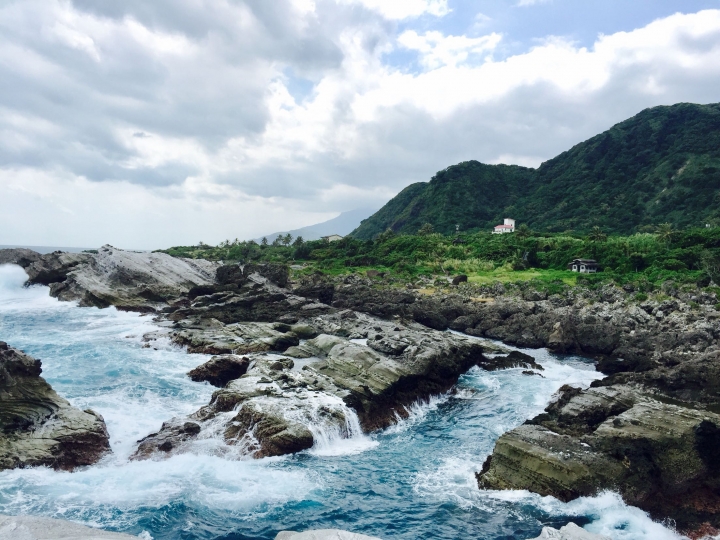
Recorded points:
415,480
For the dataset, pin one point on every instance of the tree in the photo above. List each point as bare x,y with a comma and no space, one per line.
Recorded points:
298,241
287,239
523,231
426,229
711,266
264,241
389,233
666,233
278,240
597,235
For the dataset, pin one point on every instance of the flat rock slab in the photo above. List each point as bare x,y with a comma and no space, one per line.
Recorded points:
324,534
569,532
39,528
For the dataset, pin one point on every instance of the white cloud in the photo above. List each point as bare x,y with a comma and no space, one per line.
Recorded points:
524,3
404,9
437,50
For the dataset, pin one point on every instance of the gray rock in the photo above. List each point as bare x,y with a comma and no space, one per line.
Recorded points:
20,256
659,456
324,534
40,528
457,280
569,532
219,370
38,427
126,279
209,336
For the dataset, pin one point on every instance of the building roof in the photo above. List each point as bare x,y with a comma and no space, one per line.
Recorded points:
585,261
503,226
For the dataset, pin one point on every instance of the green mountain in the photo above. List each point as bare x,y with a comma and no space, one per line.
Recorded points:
662,165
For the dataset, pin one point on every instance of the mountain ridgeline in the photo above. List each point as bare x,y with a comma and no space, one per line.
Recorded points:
660,166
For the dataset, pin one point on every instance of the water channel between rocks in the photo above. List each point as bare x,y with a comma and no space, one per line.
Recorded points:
414,480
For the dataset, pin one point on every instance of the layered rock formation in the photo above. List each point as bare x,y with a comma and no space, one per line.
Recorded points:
129,280
38,427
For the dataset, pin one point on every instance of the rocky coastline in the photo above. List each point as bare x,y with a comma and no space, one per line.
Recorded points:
350,354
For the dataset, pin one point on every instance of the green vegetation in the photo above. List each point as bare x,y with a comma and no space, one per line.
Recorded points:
644,259
660,167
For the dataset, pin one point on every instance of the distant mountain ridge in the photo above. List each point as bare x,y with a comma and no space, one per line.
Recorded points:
343,225
662,165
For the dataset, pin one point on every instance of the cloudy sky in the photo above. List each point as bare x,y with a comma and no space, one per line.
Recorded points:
149,124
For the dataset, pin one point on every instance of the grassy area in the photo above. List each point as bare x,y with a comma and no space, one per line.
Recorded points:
505,275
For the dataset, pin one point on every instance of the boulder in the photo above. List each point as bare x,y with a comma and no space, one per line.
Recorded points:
38,427
41,528
276,273
220,370
514,359
230,274
457,280
323,534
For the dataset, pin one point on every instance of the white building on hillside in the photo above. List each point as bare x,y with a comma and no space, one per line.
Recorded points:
332,238
507,227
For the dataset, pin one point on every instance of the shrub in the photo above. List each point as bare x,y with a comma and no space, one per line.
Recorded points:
674,264
641,297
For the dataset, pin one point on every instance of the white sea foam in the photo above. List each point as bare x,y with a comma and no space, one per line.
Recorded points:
202,481
416,412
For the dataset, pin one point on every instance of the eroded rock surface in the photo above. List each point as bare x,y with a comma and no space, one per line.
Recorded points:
130,280
659,455
335,385
38,427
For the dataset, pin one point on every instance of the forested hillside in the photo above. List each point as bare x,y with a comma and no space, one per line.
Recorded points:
661,166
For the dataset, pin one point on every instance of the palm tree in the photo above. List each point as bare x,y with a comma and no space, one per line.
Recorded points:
596,235
666,233
426,229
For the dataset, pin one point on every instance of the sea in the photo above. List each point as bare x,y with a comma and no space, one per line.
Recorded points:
414,480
